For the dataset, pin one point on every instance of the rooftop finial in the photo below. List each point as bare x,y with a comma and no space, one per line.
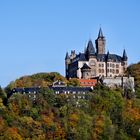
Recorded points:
100,34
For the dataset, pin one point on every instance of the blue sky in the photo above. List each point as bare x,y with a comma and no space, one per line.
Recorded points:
35,34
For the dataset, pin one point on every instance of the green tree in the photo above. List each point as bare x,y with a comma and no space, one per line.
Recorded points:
73,82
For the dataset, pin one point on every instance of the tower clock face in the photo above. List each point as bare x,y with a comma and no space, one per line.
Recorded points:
92,63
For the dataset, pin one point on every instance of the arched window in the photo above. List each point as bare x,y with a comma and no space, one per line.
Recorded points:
92,63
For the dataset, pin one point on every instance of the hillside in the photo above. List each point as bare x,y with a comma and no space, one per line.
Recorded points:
104,114
134,70
37,80
40,80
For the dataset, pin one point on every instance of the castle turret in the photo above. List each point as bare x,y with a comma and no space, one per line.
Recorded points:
73,54
67,62
124,56
86,71
90,51
100,43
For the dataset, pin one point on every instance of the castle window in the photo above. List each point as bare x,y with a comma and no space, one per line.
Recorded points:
92,63
102,65
117,71
107,64
93,73
113,65
99,70
99,65
102,70
117,65
107,70
113,71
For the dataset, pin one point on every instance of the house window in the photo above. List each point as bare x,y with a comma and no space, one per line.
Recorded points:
74,92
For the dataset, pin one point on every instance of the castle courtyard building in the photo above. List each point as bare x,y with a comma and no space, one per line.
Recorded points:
95,62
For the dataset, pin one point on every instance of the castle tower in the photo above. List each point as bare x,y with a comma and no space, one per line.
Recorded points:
86,71
100,43
67,62
124,58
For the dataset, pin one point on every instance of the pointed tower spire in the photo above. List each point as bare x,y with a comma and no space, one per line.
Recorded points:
107,56
67,56
90,48
108,52
124,55
100,34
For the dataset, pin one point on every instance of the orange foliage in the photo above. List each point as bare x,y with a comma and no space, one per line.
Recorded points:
59,133
130,112
15,108
12,133
99,127
48,120
2,124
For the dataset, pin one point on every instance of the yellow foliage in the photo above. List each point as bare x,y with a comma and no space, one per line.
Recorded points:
130,112
1,104
98,127
60,133
74,118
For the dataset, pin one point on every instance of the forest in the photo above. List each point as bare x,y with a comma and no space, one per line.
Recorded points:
104,114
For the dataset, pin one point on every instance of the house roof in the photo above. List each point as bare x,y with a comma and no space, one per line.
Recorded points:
72,89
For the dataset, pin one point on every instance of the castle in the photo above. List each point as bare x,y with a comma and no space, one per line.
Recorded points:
95,62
